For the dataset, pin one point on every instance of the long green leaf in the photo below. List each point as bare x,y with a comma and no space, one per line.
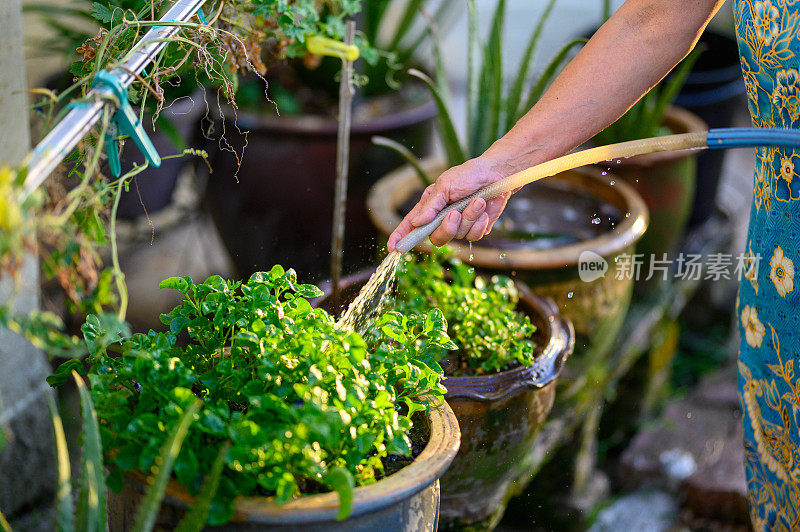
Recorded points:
196,518
671,87
443,16
452,146
549,73
406,20
515,94
340,480
473,74
4,526
491,92
92,497
406,154
606,10
373,12
148,510
64,507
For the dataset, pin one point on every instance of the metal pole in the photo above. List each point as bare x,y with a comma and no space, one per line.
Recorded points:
77,123
342,163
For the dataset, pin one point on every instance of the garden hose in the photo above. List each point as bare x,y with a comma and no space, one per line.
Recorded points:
722,138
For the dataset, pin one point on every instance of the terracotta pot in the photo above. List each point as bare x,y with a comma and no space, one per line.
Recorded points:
406,501
278,207
666,182
596,308
499,416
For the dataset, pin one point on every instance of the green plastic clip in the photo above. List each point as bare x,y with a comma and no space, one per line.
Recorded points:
317,44
124,122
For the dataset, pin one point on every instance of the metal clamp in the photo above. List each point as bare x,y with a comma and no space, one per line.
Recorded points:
123,122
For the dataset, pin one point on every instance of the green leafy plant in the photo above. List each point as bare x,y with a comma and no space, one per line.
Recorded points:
90,512
481,314
492,109
302,405
645,119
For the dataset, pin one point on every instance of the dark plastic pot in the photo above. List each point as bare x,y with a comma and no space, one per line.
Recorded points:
151,190
278,206
407,501
499,416
714,91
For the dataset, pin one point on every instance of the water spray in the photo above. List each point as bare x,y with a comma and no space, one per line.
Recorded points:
722,138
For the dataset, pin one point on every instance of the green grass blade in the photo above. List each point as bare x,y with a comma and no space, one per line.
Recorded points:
670,88
147,512
515,94
406,154
473,74
406,20
64,508
547,76
92,497
492,84
196,518
452,146
340,480
606,10
444,17
374,11
4,526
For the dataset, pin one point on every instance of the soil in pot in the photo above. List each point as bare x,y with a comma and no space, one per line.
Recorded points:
499,412
271,191
605,219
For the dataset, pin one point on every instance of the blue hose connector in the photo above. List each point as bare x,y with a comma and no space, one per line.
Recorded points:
749,137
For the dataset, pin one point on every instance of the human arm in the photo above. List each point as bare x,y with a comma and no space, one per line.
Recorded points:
625,58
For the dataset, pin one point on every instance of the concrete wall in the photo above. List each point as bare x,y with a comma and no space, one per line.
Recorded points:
26,460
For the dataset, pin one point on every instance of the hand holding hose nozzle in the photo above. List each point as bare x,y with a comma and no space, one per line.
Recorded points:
723,138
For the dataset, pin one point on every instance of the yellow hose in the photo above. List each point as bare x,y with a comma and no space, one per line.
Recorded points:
684,141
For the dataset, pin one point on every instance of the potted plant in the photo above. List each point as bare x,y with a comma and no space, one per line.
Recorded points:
547,225
500,381
270,193
313,425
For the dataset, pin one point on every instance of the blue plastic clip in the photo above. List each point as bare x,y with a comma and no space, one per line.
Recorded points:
124,122
201,16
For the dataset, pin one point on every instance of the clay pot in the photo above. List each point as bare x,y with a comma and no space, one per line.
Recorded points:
406,501
277,207
596,307
666,182
499,416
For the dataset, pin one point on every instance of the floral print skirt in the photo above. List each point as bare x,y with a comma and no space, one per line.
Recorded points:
768,305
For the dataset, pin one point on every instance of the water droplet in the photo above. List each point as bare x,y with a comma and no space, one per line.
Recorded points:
604,172
596,220
502,256
570,295
471,255
613,182
471,270
627,215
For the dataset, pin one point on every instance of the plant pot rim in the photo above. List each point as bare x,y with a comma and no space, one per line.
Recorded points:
678,120
307,124
389,193
429,466
485,388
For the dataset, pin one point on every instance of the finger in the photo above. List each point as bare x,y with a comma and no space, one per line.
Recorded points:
436,199
470,215
405,225
447,230
478,228
494,208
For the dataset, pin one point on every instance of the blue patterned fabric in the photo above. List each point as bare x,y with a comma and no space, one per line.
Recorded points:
767,308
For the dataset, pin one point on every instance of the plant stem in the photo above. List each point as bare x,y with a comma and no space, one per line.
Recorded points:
342,163
119,276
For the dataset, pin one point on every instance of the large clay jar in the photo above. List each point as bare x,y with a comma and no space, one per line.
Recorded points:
583,220
271,192
499,416
666,182
407,501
